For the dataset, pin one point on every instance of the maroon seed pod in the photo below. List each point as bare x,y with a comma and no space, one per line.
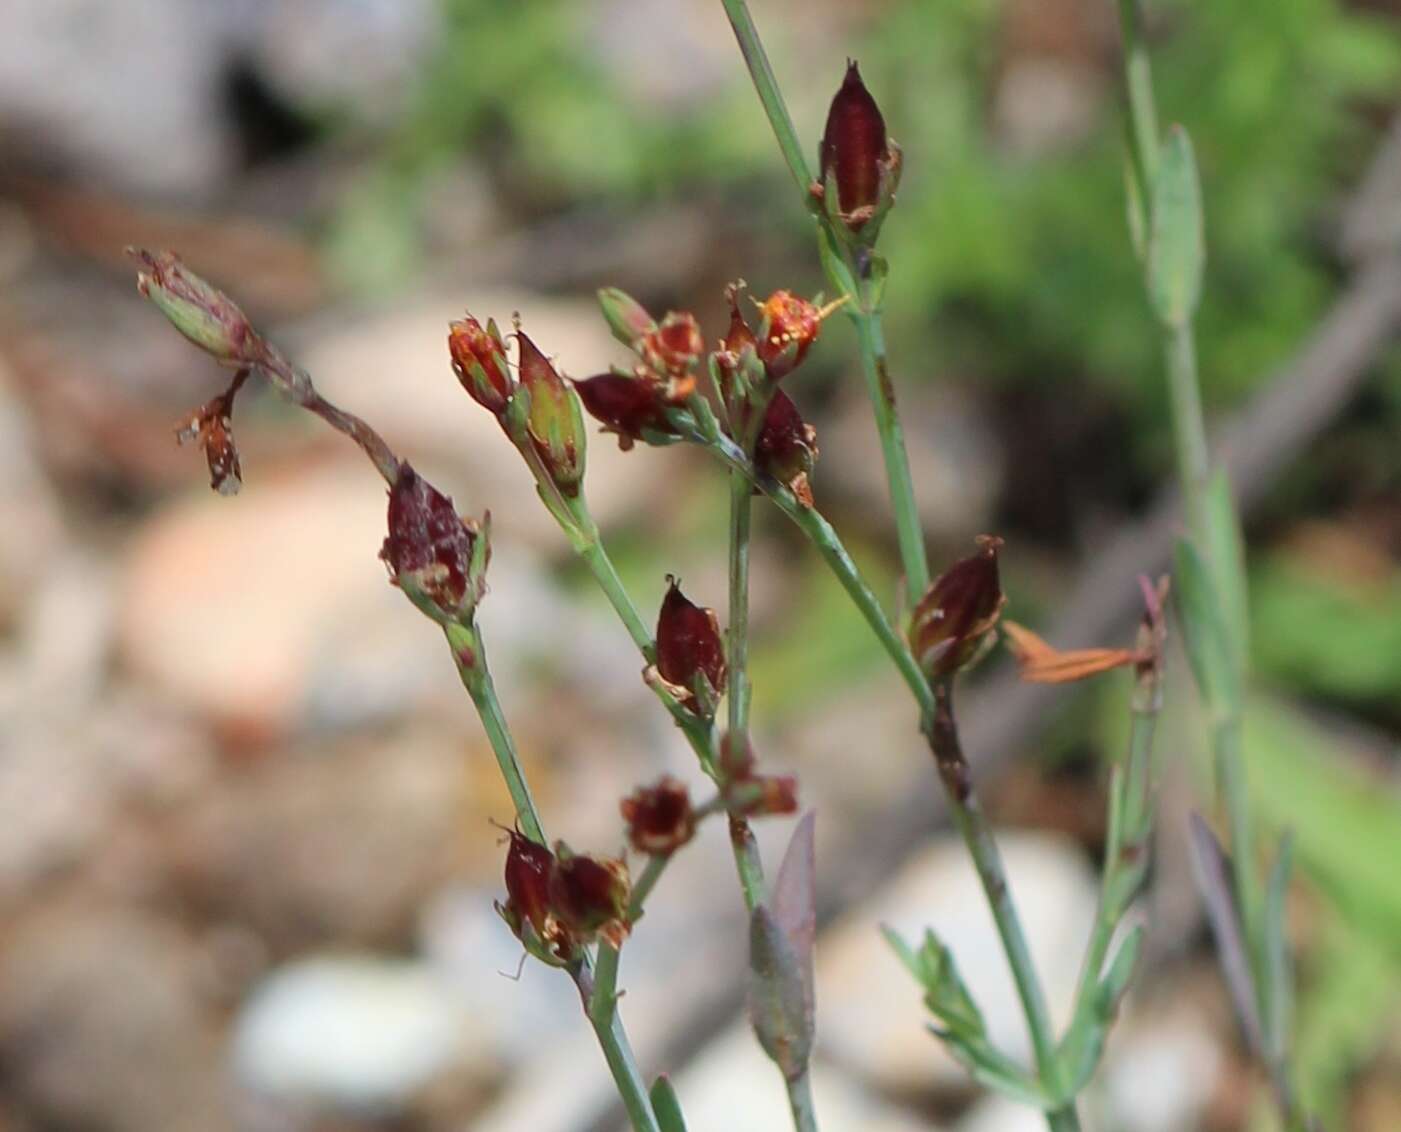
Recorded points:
479,360
953,619
433,555
859,164
528,869
690,650
787,446
659,817
589,895
627,406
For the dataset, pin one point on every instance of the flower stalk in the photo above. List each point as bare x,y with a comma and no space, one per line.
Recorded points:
1166,222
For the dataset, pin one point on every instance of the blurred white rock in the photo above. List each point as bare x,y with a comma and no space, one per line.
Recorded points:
870,1012
356,1033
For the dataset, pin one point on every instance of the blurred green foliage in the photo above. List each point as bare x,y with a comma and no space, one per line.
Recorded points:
1010,265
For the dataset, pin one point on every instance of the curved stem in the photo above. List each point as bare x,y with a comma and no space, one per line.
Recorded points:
954,771
469,655
899,480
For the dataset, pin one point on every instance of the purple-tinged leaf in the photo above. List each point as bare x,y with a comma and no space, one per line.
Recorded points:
779,1003
1211,868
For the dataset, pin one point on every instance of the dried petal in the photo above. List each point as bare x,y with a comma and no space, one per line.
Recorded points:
787,446
675,346
479,360
690,650
961,607
659,817
1040,663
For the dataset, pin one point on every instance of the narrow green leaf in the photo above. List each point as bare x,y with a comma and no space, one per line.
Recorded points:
1117,978
667,1106
904,951
994,1070
1204,630
945,994
1279,989
1227,555
1176,249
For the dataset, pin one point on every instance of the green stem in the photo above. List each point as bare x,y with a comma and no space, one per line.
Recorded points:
800,1103
741,512
1189,430
954,771
757,60
908,528
1143,116
645,882
829,545
1126,845
469,655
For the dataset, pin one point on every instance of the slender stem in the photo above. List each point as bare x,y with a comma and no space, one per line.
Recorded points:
757,60
1125,849
645,882
1143,115
469,654
741,511
606,574
601,1005
829,545
897,462
954,771
843,273
800,1103
1188,429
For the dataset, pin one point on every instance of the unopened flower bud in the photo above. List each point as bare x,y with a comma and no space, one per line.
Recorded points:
787,446
788,326
437,559
659,817
627,318
198,310
590,896
954,619
555,423
630,406
479,360
675,346
859,164
690,651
